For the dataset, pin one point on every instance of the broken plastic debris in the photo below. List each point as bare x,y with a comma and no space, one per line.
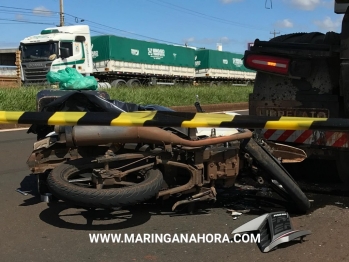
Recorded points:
21,192
270,224
235,218
234,213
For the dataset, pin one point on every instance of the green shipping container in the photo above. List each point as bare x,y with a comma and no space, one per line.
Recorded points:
206,59
110,47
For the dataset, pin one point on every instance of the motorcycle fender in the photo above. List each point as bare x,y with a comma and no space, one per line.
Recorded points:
287,154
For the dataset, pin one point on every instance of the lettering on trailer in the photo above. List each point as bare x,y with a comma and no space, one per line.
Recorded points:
135,52
94,53
156,53
296,112
225,61
237,62
197,62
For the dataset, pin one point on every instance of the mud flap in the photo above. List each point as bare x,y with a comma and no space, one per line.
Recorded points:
274,229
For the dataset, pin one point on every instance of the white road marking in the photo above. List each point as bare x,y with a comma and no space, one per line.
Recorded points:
239,110
14,129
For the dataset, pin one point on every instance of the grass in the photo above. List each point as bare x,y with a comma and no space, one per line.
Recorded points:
24,99
180,96
18,99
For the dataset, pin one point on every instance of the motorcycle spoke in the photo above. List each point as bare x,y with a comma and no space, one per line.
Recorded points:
87,179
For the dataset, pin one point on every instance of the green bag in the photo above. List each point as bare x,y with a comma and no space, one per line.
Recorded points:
71,79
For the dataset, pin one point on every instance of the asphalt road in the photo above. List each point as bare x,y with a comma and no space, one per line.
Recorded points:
36,231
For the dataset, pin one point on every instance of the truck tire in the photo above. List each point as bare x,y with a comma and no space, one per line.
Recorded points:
103,85
330,38
133,83
118,83
61,188
273,170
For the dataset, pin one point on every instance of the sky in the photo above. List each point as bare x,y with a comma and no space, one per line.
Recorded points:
198,23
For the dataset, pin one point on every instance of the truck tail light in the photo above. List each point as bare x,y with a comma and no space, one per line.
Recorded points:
267,63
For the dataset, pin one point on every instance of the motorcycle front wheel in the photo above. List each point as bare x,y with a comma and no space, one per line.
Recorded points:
71,182
277,176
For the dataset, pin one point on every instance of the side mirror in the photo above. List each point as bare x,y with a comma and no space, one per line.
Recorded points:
64,52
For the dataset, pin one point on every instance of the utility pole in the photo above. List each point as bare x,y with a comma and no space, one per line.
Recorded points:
274,33
61,14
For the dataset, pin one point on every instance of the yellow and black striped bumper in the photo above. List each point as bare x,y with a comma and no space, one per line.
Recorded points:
174,119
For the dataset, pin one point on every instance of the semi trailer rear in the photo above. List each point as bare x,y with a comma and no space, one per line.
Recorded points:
218,67
307,75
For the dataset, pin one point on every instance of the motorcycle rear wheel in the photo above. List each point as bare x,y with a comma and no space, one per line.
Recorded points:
80,195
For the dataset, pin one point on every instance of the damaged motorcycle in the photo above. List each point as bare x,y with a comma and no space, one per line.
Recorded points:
114,166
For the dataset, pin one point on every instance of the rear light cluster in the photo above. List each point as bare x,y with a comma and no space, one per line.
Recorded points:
267,63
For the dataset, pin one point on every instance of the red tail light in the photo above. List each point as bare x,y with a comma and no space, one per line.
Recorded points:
267,63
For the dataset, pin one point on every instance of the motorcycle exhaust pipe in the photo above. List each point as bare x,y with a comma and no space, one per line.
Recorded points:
99,135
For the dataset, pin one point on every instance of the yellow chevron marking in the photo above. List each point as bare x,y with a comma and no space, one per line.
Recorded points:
133,119
65,118
8,117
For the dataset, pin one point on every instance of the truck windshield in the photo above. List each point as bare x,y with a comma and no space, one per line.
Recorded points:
36,52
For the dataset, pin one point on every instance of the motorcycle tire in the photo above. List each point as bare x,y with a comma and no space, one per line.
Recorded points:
275,171
61,188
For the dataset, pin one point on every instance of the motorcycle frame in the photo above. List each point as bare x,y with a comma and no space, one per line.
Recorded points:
208,164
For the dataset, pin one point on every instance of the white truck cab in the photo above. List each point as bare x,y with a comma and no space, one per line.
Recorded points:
54,49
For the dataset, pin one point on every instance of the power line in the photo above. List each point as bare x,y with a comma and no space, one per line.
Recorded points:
30,22
21,23
31,10
125,31
91,28
110,27
24,13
